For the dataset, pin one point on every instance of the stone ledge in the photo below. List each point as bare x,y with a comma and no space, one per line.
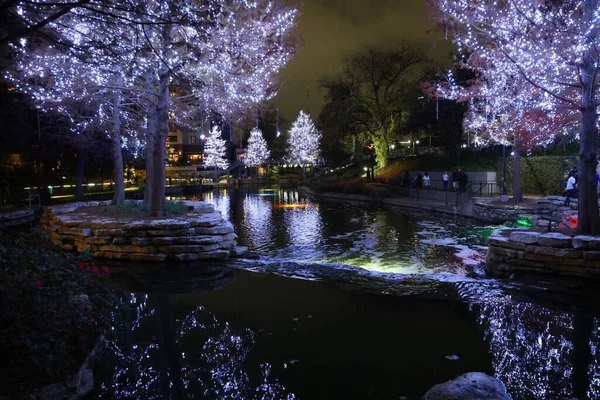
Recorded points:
200,234
543,253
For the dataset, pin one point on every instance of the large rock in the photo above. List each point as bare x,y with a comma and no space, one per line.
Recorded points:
206,220
157,224
199,207
204,239
130,256
192,248
223,228
75,231
469,386
172,232
128,248
555,239
586,242
525,237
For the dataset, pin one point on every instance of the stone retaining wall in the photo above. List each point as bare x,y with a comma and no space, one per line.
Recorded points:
202,233
547,209
546,253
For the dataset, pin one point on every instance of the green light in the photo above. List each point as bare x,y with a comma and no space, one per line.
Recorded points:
524,222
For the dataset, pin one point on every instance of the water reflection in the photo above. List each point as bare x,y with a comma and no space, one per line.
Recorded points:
538,351
285,225
160,349
258,221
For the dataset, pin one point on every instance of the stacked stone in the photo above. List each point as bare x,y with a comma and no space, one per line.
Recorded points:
498,214
547,253
202,233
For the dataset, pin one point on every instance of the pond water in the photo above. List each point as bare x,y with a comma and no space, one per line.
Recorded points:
347,301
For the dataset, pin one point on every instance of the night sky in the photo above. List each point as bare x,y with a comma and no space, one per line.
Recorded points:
332,29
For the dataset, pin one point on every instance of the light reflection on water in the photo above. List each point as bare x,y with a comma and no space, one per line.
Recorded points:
285,225
183,347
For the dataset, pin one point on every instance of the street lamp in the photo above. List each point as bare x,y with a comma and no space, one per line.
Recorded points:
413,143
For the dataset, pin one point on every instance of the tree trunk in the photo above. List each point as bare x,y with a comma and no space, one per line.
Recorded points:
79,176
589,221
157,208
381,149
119,196
150,135
517,190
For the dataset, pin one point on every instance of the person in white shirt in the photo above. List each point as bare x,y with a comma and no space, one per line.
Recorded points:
571,189
445,179
426,180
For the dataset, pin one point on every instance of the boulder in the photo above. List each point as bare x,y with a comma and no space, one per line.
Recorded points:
141,241
193,248
157,224
469,386
121,240
223,228
107,232
555,239
75,231
206,220
204,239
586,242
128,249
172,232
130,256
525,237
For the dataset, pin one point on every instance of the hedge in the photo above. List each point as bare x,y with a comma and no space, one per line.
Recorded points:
540,175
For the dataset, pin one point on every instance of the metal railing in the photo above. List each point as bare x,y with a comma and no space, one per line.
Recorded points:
437,191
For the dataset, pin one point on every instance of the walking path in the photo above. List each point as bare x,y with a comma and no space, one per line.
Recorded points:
465,209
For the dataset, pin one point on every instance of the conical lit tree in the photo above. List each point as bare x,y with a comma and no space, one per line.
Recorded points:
304,141
215,150
257,152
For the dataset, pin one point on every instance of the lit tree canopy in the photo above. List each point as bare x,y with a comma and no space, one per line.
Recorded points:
303,141
257,152
373,94
215,151
552,47
176,60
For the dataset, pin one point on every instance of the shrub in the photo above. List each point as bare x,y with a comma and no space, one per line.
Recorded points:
53,306
540,175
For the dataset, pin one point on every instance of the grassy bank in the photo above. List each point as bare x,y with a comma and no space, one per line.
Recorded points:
53,307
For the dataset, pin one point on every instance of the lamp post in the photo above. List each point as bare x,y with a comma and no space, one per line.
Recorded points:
413,143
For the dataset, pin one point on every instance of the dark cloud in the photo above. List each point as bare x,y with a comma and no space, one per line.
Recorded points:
334,29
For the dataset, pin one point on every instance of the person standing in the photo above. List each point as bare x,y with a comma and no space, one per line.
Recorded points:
426,180
418,181
571,188
445,179
455,180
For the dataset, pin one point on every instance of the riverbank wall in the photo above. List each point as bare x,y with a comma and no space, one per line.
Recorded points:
201,233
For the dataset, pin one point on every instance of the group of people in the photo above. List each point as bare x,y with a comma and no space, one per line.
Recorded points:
459,180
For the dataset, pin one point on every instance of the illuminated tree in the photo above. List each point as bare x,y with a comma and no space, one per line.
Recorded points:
303,141
215,150
370,96
552,47
257,152
502,109
218,56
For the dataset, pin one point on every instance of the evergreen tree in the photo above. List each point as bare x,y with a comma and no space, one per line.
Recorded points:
257,152
304,141
215,151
